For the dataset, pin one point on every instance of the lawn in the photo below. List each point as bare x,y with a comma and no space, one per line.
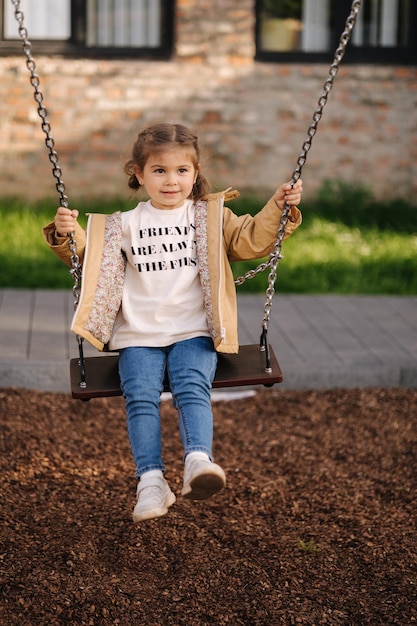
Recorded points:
349,243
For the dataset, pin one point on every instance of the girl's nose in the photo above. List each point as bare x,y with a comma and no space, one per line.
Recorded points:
171,178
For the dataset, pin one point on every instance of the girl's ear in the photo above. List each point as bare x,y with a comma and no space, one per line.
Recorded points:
197,171
138,174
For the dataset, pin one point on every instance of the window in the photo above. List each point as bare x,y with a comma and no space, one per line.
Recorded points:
41,20
297,30
105,28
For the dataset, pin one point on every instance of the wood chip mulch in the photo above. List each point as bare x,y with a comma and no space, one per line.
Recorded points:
317,524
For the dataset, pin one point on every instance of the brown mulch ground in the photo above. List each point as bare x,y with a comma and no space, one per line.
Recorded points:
317,524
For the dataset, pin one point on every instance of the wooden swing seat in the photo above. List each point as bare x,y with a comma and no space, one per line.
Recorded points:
233,370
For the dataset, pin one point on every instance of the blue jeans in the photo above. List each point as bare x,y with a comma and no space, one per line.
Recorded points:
189,367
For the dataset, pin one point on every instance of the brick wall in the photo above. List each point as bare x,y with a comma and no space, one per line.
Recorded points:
252,117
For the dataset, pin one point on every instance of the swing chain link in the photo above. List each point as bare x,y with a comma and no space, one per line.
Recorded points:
276,255
76,270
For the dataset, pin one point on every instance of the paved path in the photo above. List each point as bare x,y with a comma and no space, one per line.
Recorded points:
320,341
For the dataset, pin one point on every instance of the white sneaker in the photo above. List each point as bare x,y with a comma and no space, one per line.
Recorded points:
154,498
202,478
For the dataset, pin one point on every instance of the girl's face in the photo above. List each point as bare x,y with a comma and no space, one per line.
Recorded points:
168,177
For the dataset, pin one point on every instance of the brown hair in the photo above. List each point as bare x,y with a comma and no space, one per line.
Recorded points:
158,138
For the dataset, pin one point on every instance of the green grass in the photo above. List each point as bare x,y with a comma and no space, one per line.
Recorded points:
348,244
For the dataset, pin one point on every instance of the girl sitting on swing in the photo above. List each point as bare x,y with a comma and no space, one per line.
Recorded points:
158,288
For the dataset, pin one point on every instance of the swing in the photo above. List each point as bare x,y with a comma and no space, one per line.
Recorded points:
95,377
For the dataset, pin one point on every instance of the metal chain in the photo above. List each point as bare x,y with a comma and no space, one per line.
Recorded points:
38,96
76,270
276,255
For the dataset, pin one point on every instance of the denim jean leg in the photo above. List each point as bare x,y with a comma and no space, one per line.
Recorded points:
191,368
141,375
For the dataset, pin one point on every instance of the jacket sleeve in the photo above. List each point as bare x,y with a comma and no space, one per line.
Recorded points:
60,245
248,237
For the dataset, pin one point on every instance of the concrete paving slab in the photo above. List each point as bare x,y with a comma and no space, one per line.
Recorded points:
321,342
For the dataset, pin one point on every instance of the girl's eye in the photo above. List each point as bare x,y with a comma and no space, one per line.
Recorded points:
183,170
159,170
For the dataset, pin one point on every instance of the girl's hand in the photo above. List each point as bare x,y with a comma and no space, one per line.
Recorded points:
286,193
65,221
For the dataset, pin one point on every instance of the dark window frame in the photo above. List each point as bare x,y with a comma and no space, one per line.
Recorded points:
75,47
406,55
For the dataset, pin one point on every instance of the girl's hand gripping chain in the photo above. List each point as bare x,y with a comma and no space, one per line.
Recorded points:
286,193
65,220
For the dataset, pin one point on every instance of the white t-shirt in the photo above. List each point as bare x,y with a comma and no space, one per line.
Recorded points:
162,297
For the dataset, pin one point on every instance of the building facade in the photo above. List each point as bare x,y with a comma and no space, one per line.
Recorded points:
211,69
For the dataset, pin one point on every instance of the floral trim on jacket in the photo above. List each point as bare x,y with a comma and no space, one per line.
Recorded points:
109,290
202,255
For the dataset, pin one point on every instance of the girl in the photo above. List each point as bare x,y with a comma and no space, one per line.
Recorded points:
158,288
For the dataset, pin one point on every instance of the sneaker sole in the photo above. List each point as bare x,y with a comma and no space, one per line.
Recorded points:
203,486
154,513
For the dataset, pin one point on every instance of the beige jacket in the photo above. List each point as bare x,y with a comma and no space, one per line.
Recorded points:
221,236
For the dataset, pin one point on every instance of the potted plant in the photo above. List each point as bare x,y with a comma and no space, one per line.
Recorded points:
281,25
282,9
